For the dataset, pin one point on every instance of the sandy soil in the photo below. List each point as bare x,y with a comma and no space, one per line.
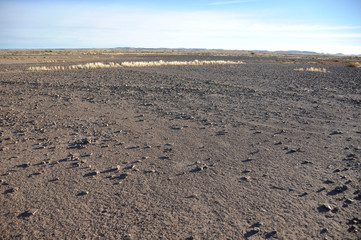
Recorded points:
251,151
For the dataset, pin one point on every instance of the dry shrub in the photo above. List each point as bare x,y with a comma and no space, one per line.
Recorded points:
312,69
354,64
131,64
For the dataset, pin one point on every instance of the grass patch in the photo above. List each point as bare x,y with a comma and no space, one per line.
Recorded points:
132,64
312,69
354,64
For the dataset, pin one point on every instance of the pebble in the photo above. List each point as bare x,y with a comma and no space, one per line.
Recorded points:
29,213
246,178
25,165
335,133
340,189
82,193
324,230
325,208
349,201
92,174
12,190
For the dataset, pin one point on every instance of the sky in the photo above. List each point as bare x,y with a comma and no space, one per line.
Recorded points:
324,26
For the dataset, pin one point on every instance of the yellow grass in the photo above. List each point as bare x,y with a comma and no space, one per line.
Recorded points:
132,64
312,69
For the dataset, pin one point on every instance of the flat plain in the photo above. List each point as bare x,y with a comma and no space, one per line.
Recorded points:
266,149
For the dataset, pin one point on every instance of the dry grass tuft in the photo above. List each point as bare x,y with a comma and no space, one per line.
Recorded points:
312,69
132,64
354,64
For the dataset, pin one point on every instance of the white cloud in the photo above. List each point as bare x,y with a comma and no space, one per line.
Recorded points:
229,2
116,26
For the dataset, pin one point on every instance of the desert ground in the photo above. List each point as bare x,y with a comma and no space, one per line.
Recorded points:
268,148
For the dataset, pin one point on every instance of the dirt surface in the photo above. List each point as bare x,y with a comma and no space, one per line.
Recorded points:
250,151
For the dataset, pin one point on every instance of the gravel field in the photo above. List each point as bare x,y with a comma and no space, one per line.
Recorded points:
238,151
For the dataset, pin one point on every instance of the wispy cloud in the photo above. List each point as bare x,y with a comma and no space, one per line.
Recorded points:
116,26
229,2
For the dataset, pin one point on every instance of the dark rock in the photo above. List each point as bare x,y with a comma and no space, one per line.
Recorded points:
92,174
28,213
324,230
11,190
271,234
25,165
83,193
335,133
328,182
324,208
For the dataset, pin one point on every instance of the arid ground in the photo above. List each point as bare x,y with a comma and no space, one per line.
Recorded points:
257,150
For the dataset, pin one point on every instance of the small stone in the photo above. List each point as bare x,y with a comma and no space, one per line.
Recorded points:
335,133
257,224
246,178
92,174
324,208
83,193
256,230
349,201
340,189
324,230
25,165
149,171
28,213
271,234
246,171
4,149
12,190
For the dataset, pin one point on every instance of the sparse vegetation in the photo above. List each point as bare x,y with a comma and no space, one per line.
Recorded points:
354,64
312,69
131,64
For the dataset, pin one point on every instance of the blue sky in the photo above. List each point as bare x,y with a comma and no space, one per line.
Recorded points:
331,26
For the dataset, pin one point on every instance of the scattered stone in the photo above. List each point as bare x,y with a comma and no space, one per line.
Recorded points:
199,168
92,174
335,210
246,171
83,193
324,230
306,162
122,176
28,213
11,190
337,170
25,165
54,179
256,230
340,189
247,160
348,201
328,182
352,229
117,183
221,133
294,151
149,171
271,234
246,178
335,133
324,208
4,149
257,224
